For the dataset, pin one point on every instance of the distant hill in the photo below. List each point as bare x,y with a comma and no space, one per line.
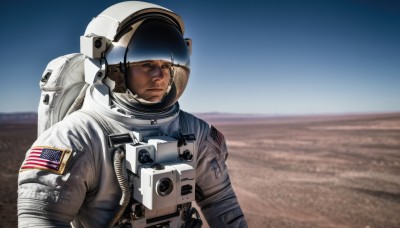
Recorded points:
231,117
18,117
219,117
31,117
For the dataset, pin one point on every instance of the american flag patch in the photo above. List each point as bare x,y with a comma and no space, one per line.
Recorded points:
46,158
217,136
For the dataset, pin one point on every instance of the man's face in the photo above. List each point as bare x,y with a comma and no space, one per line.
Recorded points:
149,79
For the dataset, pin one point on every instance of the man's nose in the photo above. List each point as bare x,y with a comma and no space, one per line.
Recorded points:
157,73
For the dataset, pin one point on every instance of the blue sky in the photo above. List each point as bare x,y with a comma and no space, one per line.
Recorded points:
271,57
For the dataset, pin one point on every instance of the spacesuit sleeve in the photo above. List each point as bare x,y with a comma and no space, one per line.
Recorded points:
52,184
218,201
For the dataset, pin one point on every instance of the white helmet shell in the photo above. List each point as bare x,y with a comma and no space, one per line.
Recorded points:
117,38
113,19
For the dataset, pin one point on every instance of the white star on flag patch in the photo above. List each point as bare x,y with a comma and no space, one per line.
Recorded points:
46,158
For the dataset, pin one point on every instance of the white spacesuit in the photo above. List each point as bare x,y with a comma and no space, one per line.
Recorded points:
69,174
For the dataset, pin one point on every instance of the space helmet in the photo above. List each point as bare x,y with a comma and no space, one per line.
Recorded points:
130,33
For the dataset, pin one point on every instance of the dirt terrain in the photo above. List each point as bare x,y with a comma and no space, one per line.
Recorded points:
15,139
315,171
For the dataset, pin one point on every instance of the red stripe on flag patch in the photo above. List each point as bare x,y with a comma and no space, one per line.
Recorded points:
46,158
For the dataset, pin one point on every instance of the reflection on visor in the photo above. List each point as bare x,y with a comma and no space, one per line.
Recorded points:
158,40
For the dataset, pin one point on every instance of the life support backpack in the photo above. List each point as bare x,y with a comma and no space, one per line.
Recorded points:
63,88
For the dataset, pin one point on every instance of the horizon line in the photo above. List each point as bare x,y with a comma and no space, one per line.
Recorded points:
254,114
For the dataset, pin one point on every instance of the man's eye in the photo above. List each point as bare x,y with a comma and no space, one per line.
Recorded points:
147,65
166,66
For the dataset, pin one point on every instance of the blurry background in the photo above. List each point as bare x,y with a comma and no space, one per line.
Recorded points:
271,57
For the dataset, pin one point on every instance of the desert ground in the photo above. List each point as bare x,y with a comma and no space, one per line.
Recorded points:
307,171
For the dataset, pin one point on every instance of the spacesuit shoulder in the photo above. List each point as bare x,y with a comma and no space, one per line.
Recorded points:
195,125
60,166
76,135
79,125
208,135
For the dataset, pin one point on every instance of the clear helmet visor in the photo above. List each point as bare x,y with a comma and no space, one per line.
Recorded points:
155,48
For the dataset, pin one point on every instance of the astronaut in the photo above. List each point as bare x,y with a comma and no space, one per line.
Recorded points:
137,67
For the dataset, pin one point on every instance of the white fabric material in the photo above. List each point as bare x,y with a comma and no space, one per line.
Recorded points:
87,194
65,81
110,21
